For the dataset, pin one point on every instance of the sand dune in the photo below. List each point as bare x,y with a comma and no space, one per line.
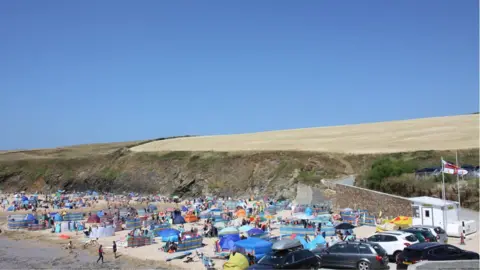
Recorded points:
439,133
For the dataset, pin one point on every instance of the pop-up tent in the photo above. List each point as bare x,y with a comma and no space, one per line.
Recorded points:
178,220
93,219
236,262
227,242
255,246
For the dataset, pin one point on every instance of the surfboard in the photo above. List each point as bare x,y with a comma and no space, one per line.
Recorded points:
178,256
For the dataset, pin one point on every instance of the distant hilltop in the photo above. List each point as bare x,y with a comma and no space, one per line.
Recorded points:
437,133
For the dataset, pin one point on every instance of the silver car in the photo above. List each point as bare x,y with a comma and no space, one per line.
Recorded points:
438,232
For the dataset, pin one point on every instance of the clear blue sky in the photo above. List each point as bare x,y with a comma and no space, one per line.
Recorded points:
76,72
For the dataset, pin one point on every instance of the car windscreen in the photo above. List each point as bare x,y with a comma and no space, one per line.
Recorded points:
412,253
380,251
428,234
274,258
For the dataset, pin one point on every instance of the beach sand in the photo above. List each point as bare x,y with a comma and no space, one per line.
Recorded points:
153,256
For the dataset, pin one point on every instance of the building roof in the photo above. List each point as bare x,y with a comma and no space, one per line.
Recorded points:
432,201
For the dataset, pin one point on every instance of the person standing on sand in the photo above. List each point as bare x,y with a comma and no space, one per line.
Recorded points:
100,254
115,249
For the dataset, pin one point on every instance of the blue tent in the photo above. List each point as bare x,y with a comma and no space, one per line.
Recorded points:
30,217
11,208
184,208
178,220
228,241
100,213
169,235
255,231
308,211
318,241
258,246
152,207
24,198
57,217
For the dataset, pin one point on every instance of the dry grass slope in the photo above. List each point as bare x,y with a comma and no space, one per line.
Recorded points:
76,151
439,133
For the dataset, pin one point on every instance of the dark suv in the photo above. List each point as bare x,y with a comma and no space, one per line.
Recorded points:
357,255
286,259
425,234
432,252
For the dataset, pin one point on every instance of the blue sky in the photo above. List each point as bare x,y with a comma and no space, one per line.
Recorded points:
76,72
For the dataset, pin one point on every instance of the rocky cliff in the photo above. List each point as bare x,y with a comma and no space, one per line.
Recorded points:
194,173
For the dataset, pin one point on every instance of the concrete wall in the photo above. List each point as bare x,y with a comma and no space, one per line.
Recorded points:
373,201
431,265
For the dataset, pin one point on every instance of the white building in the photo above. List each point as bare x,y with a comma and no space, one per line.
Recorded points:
433,211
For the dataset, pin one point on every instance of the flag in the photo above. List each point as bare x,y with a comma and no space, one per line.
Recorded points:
450,168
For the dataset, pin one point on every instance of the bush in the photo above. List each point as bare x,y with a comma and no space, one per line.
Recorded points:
384,168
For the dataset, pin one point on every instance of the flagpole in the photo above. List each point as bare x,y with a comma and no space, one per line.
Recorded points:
444,195
458,181
443,182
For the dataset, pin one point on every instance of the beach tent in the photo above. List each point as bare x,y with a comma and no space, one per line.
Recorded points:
255,231
93,219
30,217
256,246
241,213
308,211
152,207
245,228
169,235
229,230
184,208
57,218
319,241
190,217
11,208
228,241
236,262
178,220
100,213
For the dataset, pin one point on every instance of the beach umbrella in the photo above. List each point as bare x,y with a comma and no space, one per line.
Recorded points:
219,225
175,197
245,228
229,230
344,226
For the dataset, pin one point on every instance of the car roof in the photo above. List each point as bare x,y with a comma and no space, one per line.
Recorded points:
424,245
394,233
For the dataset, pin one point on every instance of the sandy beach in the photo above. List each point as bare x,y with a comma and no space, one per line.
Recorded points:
146,257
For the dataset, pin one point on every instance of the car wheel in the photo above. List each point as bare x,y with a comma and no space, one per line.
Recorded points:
395,256
363,265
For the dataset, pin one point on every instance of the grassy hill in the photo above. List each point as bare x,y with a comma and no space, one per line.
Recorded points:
253,169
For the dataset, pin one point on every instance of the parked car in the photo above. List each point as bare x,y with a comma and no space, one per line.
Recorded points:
393,241
284,259
438,232
432,252
422,235
357,255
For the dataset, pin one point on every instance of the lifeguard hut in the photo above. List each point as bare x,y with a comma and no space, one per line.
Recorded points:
433,211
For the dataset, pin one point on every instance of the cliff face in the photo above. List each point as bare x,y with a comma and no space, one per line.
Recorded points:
194,173
181,173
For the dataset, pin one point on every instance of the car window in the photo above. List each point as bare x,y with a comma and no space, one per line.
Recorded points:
439,251
364,249
351,249
379,249
338,248
290,258
301,255
411,238
273,258
374,238
439,230
451,250
388,238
